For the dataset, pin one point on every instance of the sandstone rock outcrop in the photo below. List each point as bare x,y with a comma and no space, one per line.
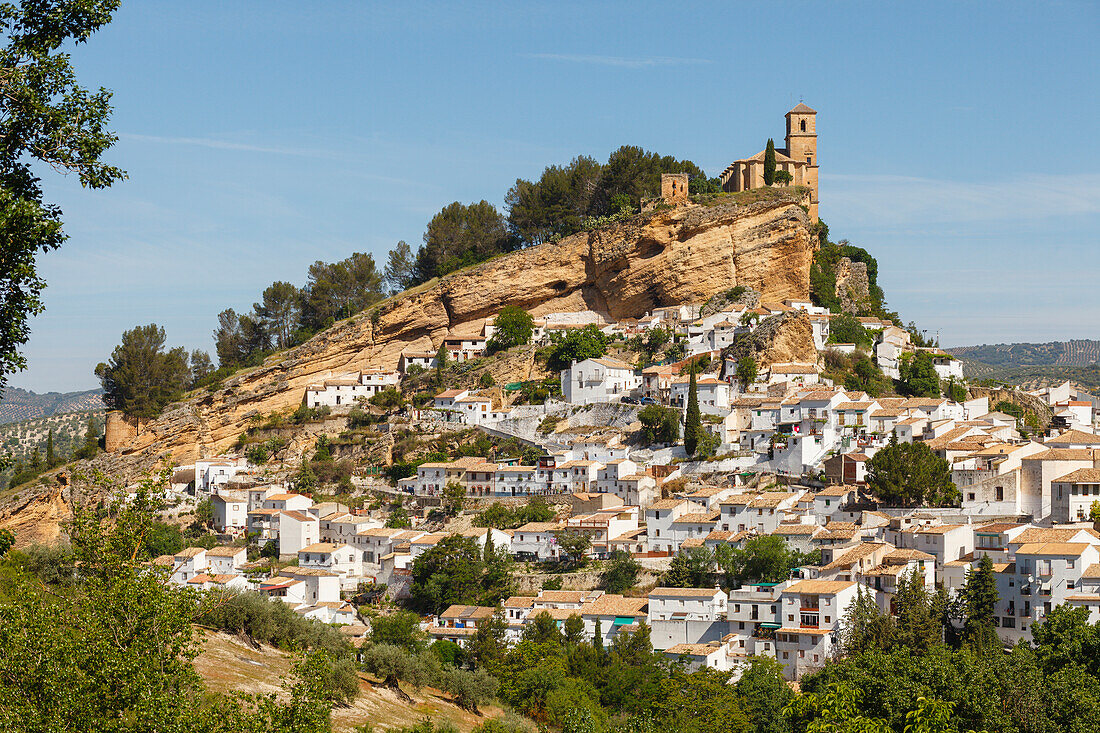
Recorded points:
682,255
853,287
782,339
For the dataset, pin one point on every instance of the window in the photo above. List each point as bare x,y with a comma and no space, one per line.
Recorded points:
802,125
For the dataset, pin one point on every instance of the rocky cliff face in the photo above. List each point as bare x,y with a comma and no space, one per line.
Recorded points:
681,255
782,339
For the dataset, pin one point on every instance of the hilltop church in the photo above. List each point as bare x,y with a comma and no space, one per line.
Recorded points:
799,159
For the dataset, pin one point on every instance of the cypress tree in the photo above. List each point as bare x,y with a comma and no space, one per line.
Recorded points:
980,596
769,163
693,420
51,455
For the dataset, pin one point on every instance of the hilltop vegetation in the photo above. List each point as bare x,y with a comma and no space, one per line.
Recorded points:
20,404
1033,365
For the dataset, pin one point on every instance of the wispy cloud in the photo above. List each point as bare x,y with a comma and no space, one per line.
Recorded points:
216,144
622,62
903,200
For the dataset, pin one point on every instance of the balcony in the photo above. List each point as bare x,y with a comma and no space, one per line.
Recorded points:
809,621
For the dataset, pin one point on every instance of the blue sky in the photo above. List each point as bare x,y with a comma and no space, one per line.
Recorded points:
957,143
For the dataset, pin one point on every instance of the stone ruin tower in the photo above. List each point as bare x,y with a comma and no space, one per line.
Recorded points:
674,188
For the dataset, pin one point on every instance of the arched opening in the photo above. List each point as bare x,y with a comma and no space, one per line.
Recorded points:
802,124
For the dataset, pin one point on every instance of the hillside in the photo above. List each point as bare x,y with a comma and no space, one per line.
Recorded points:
1078,352
20,439
20,404
229,664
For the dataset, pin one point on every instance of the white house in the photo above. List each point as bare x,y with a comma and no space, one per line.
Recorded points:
811,613
230,511
598,380
342,559
297,529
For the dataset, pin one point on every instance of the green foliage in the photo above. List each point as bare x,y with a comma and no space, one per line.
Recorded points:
485,380
400,271
783,178
399,518
690,568
7,539
693,418
1010,408
621,572
651,342
845,328
763,559
980,601
112,648
90,447
141,378
660,424
746,370
554,206
910,474
823,275
47,121
1094,512
336,290
769,163
456,570
162,538
502,516
918,375
401,629
514,327
388,399
454,498
461,235
575,345
865,376
574,544
954,391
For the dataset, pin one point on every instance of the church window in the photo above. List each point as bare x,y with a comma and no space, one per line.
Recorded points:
809,160
803,124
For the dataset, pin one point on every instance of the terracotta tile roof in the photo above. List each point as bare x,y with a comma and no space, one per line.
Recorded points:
691,650
665,504
1037,535
697,518
1092,571
1063,454
1081,476
822,587
1071,437
225,551
616,605
1053,548
520,602
835,491
563,596
772,499
683,592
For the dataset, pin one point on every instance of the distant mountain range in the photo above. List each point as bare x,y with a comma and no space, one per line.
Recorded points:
1034,365
20,404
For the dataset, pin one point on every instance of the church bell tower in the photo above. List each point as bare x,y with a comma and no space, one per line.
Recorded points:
802,146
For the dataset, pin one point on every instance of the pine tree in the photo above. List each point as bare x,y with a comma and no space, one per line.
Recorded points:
917,629
91,441
693,420
769,163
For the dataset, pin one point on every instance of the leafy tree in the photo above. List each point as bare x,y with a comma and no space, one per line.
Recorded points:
514,327
496,581
454,498
763,559
398,518
400,271
746,370
918,374
441,358
690,568
7,539
621,572
240,340
542,629
845,328
446,574
459,236
783,178
400,629
575,345
660,424
574,544
204,514
279,312
1094,512
980,597
141,378
47,121
866,377
910,474
651,343
769,163
864,626
763,694
954,391
388,399
693,419
489,643
305,479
